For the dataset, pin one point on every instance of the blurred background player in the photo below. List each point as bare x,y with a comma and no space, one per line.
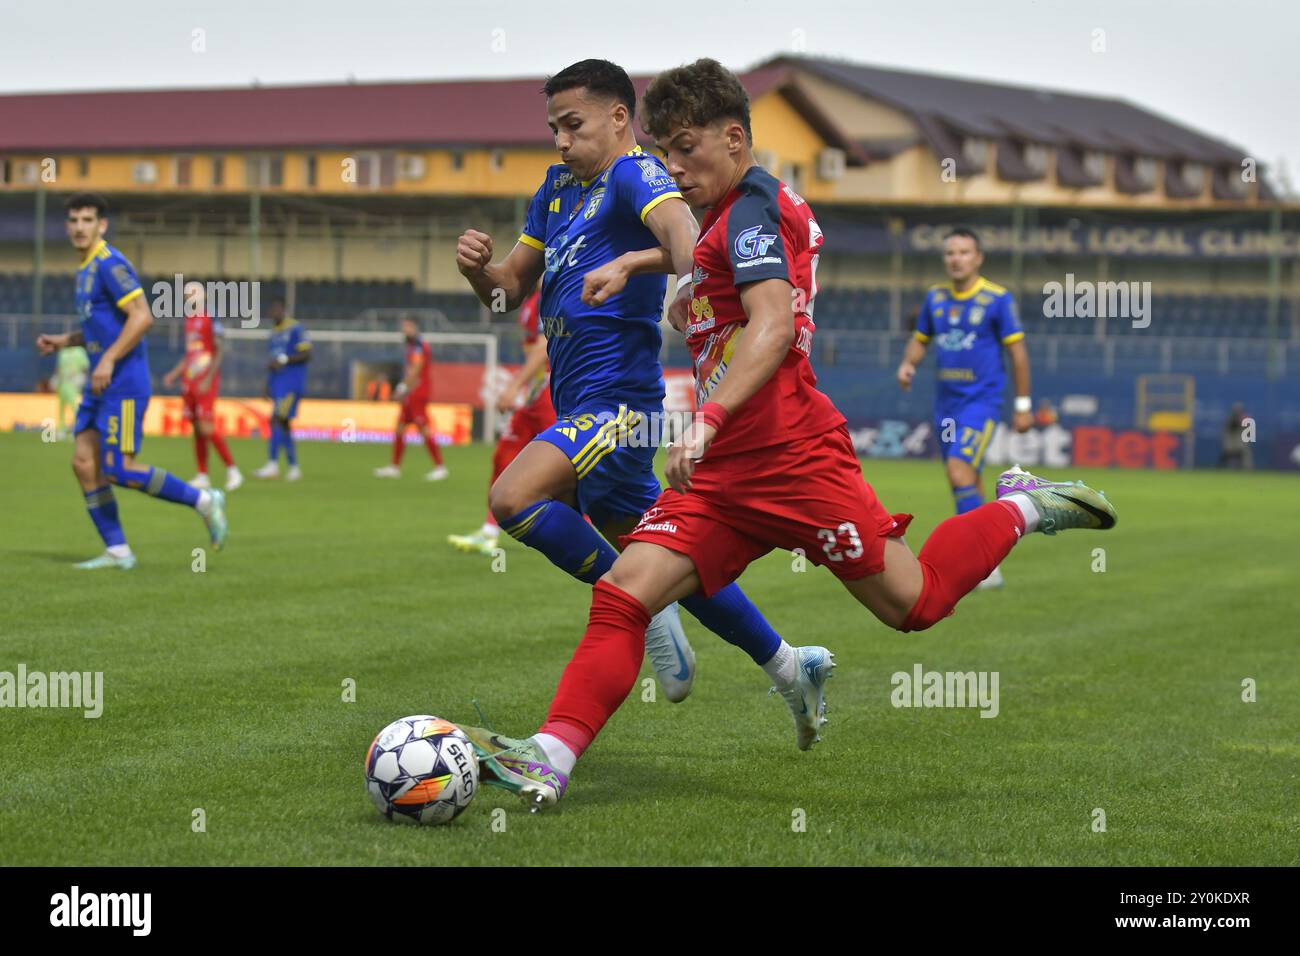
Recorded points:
971,320
200,373
286,379
414,391
110,421
70,382
528,396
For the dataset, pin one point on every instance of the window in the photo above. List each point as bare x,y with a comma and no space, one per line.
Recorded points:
218,171
4,171
83,166
496,159
457,160
264,171
309,171
376,170
184,170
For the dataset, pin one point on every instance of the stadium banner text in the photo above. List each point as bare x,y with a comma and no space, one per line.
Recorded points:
318,419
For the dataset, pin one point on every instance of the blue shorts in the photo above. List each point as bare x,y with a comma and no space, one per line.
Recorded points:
965,434
285,404
613,459
119,419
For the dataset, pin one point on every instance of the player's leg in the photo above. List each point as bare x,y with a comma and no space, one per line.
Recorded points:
965,440
273,443
598,678
101,504
193,413
207,423
122,439
439,471
288,412
394,467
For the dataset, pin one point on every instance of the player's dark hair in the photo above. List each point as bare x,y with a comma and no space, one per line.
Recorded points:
596,76
88,201
966,232
699,94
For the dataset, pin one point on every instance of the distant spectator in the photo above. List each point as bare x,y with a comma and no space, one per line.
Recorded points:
1236,451
1045,414
379,389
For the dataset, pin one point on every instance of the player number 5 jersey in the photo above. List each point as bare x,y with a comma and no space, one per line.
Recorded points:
762,230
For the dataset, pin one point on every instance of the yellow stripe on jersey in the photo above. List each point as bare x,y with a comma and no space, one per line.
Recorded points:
129,296
528,240
921,337
1013,337
598,440
92,253
645,210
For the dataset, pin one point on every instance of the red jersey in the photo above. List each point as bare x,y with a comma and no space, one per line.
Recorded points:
761,230
201,332
420,356
529,321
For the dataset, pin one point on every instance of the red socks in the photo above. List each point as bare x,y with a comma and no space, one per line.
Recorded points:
961,553
602,671
399,445
201,452
219,443
432,445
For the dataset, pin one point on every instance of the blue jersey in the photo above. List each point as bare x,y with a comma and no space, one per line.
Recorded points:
288,338
969,330
606,354
106,282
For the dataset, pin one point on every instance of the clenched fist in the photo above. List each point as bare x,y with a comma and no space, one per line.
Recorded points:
473,252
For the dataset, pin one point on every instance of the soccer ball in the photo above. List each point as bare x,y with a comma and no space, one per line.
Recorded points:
421,769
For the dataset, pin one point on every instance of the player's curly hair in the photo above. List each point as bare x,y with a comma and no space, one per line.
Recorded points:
88,201
698,94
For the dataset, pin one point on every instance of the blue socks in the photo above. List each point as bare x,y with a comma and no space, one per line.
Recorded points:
168,487
103,511
575,547
273,452
733,617
968,498
282,437
565,537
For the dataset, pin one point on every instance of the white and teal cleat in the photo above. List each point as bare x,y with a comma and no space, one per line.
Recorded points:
1061,505
106,560
806,697
215,519
517,765
670,654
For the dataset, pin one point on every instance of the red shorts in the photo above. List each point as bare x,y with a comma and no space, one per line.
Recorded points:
807,494
200,406
415,411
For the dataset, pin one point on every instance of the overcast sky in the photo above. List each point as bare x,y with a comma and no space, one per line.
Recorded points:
1229,69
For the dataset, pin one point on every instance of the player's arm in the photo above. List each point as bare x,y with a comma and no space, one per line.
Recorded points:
676,230
1023,419
913,355
174,373
138,321
411,377
301,352
514,277
763,347
534,362
49,343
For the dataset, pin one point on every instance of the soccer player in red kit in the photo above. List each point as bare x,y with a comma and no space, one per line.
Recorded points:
768,462
528,396
414,392
200,373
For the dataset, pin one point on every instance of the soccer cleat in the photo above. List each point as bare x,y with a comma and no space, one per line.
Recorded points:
518,766
234,478
1061,504
806,698
201,481
388,471
438,473
269,470
478,541
670,654
215,519
293,474
106,560
994,580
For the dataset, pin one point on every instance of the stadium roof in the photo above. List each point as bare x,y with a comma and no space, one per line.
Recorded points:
945,108
441,113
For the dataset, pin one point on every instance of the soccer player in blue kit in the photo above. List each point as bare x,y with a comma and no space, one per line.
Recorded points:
605,198
290,351
110,420
970,320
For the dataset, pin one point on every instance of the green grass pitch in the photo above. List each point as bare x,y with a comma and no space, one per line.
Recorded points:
1119,690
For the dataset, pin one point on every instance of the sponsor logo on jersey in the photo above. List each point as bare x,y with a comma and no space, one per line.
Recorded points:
650,170
753,242
794,196
562,180
814,232
955,340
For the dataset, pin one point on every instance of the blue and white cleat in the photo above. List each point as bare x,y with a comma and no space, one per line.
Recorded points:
106,560
1061,504
215,519
670,654
806,698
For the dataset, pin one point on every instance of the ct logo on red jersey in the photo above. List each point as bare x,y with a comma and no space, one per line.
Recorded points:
753,242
